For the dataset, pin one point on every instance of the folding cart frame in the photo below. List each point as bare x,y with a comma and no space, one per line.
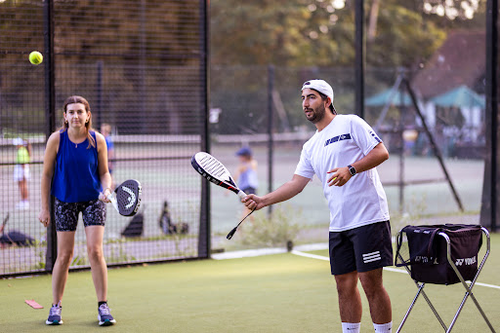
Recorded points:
468,287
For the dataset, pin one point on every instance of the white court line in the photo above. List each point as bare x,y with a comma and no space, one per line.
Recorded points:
266,251
309,255
487,285
389,269
247,253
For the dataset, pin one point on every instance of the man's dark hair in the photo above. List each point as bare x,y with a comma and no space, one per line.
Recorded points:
324,97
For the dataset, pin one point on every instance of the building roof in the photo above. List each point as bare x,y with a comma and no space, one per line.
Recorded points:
461,60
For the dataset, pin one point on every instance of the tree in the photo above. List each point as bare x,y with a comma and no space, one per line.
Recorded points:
321,32
453,9
403,38
275,31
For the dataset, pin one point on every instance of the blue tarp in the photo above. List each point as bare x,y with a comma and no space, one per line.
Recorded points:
460,97
384,98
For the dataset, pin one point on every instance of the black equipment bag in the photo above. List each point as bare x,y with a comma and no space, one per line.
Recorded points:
424,253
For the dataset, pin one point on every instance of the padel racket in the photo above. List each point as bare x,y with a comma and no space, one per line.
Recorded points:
214,171
231,233
126,198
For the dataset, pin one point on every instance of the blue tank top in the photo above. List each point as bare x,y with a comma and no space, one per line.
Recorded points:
76,174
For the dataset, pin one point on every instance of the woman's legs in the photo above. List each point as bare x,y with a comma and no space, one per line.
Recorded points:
65,246
95,234
23,189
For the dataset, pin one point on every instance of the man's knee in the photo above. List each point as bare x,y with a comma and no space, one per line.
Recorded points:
346,283
372,282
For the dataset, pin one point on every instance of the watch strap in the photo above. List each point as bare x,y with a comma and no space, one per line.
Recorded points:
352,170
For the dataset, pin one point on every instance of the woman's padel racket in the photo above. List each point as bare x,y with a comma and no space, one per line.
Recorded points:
214,171
127,197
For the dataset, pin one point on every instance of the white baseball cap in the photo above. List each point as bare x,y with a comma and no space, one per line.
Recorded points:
17,142
320,85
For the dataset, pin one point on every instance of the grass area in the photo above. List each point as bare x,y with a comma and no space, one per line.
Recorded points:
277,293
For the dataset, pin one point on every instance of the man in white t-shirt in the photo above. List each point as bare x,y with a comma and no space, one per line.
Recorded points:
343,154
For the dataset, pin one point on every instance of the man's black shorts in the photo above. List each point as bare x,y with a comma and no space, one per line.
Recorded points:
361,249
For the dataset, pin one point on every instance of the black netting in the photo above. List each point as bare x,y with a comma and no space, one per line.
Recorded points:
142,67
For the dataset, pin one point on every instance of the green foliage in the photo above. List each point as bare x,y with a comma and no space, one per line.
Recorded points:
315,33
281,32
403,38
282,226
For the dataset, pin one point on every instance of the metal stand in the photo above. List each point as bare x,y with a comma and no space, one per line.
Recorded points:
468,288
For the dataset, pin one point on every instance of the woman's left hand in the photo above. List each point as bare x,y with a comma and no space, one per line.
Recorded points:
103,196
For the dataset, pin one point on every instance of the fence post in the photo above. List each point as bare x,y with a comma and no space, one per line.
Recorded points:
359,58
50,118
99,93
401,129
205,227
489,199
270,125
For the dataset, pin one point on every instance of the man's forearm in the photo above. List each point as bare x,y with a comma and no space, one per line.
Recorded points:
285,191
374,158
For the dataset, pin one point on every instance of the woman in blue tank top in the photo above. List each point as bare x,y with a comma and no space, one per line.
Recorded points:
75,172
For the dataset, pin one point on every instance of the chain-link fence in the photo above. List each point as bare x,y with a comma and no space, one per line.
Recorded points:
241,98
142,67
420,180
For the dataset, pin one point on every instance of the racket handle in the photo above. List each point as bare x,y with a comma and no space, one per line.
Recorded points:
242,194
112,197
231,233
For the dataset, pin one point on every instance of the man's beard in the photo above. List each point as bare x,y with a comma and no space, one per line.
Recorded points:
317,114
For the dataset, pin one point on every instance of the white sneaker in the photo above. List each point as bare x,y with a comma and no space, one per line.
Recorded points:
55,317
23,205
104,316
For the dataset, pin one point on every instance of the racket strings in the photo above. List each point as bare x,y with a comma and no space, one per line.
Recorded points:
213,166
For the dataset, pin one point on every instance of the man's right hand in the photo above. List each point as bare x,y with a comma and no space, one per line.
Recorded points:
252,201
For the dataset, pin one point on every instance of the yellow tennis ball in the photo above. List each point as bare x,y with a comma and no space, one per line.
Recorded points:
36,58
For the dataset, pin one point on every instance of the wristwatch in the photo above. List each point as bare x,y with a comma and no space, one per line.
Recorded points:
352,170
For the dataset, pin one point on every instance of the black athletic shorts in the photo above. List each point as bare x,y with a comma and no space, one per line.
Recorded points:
66,214
361,249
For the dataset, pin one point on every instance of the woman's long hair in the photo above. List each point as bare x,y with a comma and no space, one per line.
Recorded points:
88,125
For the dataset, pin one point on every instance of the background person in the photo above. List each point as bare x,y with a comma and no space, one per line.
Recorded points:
75,171
343,154
22,171
246,174
106,131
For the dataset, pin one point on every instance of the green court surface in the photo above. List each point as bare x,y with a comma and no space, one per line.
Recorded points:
273,293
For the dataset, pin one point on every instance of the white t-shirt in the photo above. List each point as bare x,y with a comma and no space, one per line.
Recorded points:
362,200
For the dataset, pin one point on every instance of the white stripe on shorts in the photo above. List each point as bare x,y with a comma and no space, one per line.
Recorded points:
372,256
